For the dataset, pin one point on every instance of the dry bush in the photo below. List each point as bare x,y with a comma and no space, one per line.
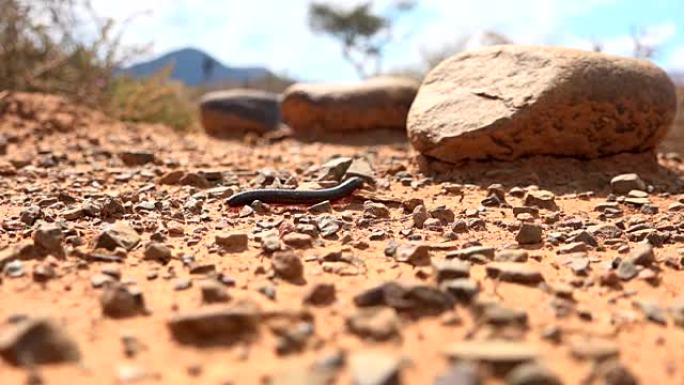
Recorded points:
156,99
62,47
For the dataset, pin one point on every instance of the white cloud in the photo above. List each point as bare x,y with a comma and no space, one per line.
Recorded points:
675,61
275,33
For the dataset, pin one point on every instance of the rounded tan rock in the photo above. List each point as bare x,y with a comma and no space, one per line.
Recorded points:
505,102
235,112
379,103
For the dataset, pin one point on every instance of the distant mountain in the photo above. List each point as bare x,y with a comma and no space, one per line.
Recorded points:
194,67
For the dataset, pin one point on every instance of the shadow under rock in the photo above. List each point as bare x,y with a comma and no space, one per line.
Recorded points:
358,138
560,175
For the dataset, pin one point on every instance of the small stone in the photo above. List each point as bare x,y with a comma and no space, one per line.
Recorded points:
213,292
270,242
182,284
379,324
542,199
374,368
120,234
415,300
463,289
361,168
321,294
215,325
171,177
467,254
43,273
501,356
623,184
583,236
571,248
614,373
451,269
48,240
155,251
37,341
320,208
31,215
100,280
514,272
287,266
335,168
529,234
136,158
594,349
642,255
511,255
532,374
652,311
118,301
459,226
416,255
195,180
626,270
298,240
462,373
443,214
232,241
376,210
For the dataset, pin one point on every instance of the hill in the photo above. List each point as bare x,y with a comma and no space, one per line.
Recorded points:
194,67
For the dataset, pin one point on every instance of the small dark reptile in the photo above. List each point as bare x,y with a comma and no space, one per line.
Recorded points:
296,196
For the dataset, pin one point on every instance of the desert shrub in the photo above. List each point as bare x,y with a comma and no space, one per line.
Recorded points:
156,99
63,47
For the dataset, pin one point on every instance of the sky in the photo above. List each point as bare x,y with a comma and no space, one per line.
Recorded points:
276,33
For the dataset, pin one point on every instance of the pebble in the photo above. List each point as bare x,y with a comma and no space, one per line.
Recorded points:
213,292
614,373
37,341
416,255
462,373
298,240
593,349
320,294
136,158
288,266
511,255
514,272
626,270
119,301
214,326
532,374
463,289
529,234
374,368
379,324
450,269
541,199
120,234
47,239
469,253
624,183
501,356
155,251
180,284
235,242
375,210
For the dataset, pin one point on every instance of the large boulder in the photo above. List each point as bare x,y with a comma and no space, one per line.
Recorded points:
508,101
235,112
378,103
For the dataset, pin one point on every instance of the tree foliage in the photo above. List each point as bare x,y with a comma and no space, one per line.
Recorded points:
362,33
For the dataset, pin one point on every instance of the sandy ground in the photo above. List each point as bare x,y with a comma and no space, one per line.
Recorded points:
55,151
